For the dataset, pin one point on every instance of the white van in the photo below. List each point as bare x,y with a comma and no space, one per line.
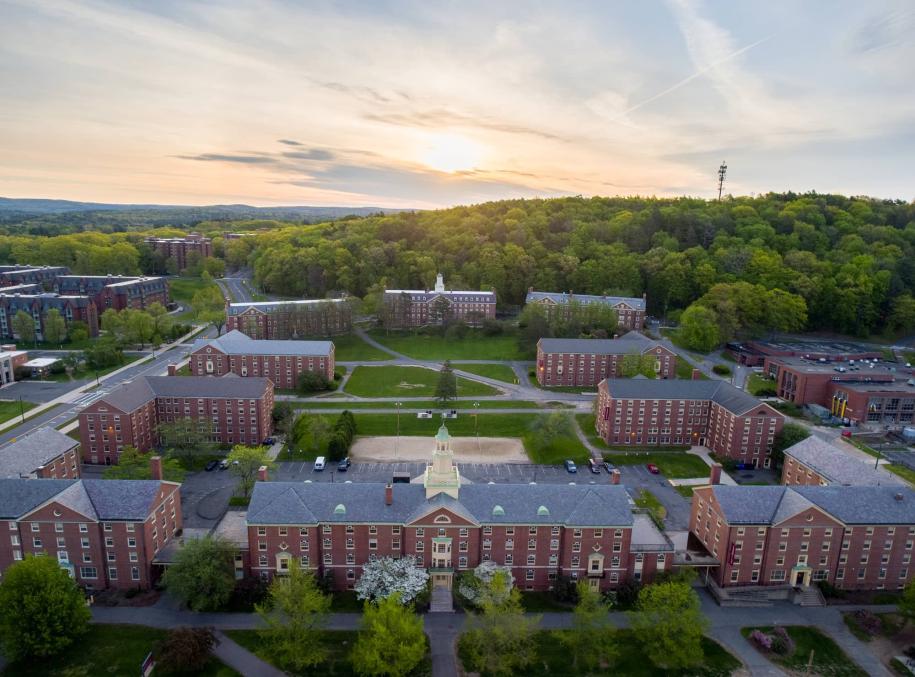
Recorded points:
319,463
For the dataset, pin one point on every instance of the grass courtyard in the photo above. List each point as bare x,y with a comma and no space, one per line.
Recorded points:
351,348
396,381
9,409
106,650
828,657
417,404
672,464
553,659
474,346
500,372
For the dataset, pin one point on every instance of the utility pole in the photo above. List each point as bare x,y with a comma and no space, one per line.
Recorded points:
722,171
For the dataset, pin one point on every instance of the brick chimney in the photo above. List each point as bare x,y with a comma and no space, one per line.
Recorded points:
696,375
388,493
615,476
262,474
172,369
155,467
715,474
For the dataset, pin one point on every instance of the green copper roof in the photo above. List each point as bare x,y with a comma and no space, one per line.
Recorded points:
443,435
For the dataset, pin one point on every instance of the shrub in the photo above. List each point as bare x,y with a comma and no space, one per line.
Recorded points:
248,591
58,367
761,640
868,622
782,644
721,370
312,382
22,373
830,591
627,594
492,327
457,330
185,650
565,590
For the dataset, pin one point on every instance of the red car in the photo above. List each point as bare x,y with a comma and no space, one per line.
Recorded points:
653,469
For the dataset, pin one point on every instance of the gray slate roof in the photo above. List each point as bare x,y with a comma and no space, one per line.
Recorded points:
236,343
838,466
129,500
313,503
274,306
851,505
632,343
731,398
37,448
564,297
141,390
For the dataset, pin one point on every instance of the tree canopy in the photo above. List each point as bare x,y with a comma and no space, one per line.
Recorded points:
203,575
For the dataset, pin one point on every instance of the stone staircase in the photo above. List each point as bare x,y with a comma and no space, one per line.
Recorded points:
809,596
442,602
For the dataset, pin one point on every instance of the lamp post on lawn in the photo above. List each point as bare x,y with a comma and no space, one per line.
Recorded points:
398,405
21,409
476,426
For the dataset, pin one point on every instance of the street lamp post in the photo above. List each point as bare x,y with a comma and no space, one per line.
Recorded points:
398,405
21,409
476,426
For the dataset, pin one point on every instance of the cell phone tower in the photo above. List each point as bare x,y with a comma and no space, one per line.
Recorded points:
722,171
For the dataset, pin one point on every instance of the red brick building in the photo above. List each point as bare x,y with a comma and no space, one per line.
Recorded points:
408,308
587,362
178,248
541,531
815,462
630,311
44,453
269,320
283,362
42,276
104,532
855,538
71,308
115,291
237,410
714,414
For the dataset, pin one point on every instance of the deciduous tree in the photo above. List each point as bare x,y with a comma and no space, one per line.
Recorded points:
185,650
24,326
244,462
699,329
591,639
387,576
133,465
203,575
670,624
391,641
55,328
42,611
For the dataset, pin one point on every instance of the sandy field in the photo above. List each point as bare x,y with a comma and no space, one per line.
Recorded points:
490,450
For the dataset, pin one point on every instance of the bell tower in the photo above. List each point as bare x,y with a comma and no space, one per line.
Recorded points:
439,283
442,475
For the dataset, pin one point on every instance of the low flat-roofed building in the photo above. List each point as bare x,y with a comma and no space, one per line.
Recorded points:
816,462
753,353
43,453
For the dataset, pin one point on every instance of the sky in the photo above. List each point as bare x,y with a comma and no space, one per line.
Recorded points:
429,104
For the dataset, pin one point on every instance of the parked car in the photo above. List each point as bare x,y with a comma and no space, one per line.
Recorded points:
344,465
652,468
223,464
609,467
424,414
212,465
594,466
319,464
570,466
270,441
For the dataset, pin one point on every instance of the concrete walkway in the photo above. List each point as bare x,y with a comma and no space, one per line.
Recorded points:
241,660
703,453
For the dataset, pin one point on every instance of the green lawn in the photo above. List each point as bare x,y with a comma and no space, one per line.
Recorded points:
651,503
351,348
500,372
632,661
421,404
684,490
339,644
540,602
490,425
182,290
828,658
760,386
475,346
586,423
672,464
106,650
394,381
685,368
10,409
902,471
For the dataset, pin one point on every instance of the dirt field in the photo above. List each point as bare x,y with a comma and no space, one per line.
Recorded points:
490,450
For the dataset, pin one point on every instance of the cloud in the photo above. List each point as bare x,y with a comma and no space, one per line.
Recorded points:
881,32
441,117
239,159
289,142
311,154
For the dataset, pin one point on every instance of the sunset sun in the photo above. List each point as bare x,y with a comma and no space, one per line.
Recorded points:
451,153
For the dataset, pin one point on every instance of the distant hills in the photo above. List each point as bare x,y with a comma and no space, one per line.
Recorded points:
68,213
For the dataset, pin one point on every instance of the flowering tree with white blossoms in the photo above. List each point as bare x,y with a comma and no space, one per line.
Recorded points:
387,575
474,586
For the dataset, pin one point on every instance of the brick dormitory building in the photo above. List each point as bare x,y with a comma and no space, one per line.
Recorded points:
714,414
290,319
41,276
43,453
630,311
105,533
178,248
115,291
586,362
410,308
542,531
283,362
786,537
239,411
72,308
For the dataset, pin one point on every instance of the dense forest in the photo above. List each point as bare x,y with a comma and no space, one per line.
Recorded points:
782,262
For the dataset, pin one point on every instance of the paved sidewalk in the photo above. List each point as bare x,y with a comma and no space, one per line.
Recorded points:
239,658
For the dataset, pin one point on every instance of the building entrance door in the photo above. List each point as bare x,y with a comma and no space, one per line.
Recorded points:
441,581
594,584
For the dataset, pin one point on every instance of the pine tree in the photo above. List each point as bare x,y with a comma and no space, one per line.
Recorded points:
447,384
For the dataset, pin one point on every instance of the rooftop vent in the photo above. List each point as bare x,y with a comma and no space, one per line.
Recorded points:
898,497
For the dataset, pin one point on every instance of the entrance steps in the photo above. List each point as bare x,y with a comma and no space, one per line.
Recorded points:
441,602
809,596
